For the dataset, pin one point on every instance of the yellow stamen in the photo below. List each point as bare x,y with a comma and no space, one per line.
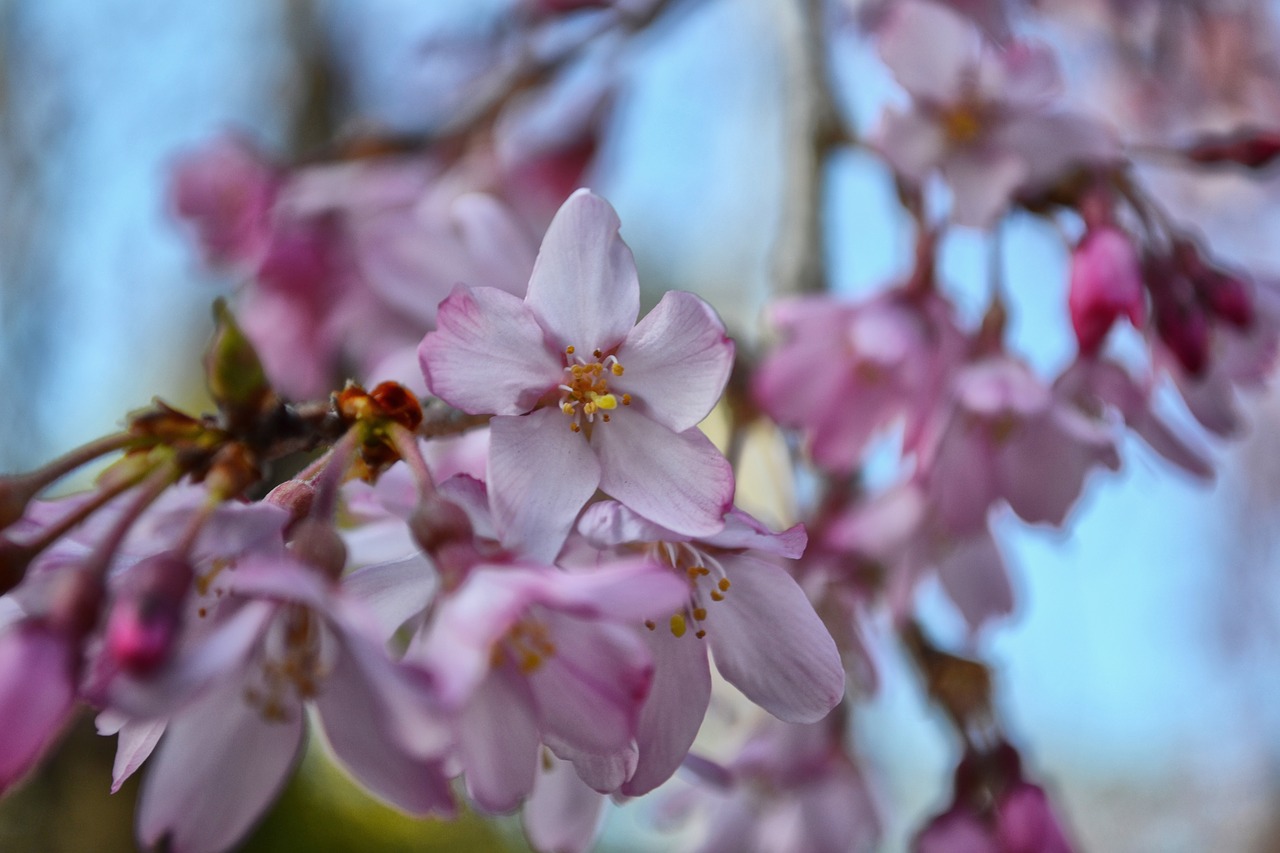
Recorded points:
677,625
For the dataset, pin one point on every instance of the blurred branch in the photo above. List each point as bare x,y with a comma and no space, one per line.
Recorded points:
812,128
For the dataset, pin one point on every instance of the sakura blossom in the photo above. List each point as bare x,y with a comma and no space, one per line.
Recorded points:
493,519
583,396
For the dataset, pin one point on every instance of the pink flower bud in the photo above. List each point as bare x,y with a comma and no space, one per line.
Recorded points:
1227,297
1180,320
1106,283
1025,822
147,613
316,543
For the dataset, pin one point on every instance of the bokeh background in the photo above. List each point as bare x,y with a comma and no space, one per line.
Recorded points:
1139,674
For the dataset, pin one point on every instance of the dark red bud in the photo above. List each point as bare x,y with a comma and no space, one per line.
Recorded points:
1253,149
1228,297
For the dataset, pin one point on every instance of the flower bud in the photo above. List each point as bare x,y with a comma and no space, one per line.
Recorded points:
316,543
443,530
1180,320
147,613
1106,283
295,496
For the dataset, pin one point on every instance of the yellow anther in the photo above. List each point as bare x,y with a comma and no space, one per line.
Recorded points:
589,408
717,595
626,399
724,584
575,427
566,407
604,401
530,661
569,349
677,625
617,369
699,613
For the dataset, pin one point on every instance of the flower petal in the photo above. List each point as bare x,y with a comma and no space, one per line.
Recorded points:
935,73
677,361
375,725
135,744
498,743
219,766
540,475
769,643
673,712
487,354
677,479
37,695
590,690
562,815
584,288
393,592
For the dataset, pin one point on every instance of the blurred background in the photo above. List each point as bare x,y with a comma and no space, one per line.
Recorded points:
1139,674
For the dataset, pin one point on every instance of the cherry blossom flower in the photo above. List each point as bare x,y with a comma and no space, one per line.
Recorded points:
845,370
524,655
979,113
748,612
585,397
232,701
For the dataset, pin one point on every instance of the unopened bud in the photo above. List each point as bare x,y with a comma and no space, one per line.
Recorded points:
1228,297
1180,320
234,374
295,496
316,543
147,613
443,530
1106,283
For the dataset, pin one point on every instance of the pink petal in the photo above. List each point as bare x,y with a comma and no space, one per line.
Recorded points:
769,643
37,695
137,740
487,354
936,72
393,592
376,721
498,743
540,475
562,815
673,712
590,690
742,531
1041,469
973,573
628,590
584,289
677,361
914,143
606,524
219,766
981,183
678,480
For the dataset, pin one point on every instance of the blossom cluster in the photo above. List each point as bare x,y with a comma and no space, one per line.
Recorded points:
503,573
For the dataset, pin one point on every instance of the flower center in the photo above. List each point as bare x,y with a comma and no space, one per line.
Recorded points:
585,392
962,124
708,585
294,663
528,645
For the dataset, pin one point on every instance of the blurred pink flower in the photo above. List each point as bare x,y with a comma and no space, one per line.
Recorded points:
1106,283
979,112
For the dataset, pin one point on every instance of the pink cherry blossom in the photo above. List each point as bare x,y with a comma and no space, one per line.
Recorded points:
524,655
233,711
845,370
979,113
585,397
745,610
